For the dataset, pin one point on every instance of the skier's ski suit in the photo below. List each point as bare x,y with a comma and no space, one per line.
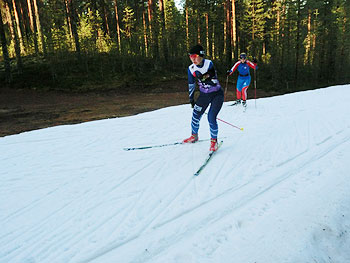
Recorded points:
243,80
210,93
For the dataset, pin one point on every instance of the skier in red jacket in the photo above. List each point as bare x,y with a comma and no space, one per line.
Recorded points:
244,78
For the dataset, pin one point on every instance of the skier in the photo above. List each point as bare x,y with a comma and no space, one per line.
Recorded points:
202,70
243,80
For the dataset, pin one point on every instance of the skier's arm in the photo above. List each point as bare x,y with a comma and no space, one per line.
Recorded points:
233,69
211,71
252,65
191,85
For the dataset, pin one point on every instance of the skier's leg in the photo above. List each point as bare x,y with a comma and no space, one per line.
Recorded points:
238,95
239,90
245,86
215,107
244,93
198,110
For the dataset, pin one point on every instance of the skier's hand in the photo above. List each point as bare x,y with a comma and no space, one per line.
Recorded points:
254,60
192,103
202,77
198,75
228,73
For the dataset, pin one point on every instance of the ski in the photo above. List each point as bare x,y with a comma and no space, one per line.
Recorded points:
237,104
210,155
159,146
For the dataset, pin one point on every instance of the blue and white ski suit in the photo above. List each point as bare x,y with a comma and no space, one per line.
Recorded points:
210,93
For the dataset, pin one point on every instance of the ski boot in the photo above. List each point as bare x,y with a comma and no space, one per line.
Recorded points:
244,103
192,139
213,145
237,102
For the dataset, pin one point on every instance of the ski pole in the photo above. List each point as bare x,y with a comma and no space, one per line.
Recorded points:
255,85
228,123
225,89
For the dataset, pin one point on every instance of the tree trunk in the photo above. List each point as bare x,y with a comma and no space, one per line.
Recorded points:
24,20
30,13
5,52
15,37
234,32
9,19
32,25
95,26
198,28
153,29
307,59
225,27
278,23
283,36
150,21
104,17
69,24
163,33
118,27
297,48
73,19
187,31
253,22
18,26
207,32
145,32
38,26
228,31
213,43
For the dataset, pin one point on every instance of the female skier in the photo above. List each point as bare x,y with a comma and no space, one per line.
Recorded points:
203,72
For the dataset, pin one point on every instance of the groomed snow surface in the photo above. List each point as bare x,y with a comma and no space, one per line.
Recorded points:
276,192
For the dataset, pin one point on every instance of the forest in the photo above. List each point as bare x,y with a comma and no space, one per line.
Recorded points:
81,45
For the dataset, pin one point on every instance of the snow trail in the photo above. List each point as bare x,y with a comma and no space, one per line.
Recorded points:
72,194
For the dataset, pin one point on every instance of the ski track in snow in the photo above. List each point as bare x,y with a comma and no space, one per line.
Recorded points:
234,204
99,202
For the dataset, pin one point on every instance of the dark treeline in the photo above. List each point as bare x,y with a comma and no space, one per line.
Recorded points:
67,44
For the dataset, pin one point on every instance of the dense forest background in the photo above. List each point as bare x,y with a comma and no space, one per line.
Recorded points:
109,44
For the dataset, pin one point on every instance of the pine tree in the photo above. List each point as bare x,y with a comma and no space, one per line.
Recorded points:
254,25
5,52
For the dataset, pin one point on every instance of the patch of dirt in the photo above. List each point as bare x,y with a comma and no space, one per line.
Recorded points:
26,110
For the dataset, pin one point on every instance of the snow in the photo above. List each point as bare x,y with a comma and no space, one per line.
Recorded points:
278,191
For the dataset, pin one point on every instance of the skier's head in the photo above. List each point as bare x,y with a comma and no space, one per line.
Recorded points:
197,50
243,56
196,54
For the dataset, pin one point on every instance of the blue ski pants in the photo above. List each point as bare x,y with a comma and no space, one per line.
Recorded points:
242,86
215,99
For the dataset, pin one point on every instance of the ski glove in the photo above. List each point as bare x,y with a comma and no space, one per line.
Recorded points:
198,75
228,73
202,77
192,103
254,60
